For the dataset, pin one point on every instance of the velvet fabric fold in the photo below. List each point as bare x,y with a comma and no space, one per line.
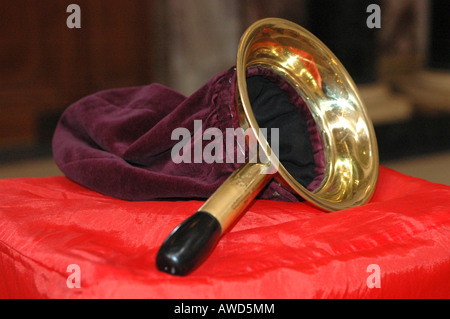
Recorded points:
119,142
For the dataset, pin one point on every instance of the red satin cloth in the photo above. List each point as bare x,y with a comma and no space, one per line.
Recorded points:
277,250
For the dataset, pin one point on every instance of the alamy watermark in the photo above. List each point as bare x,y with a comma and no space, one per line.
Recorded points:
74,279
220,146
374,19
374,280
73,21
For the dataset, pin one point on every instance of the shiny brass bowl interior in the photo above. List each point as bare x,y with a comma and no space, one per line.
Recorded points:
349,142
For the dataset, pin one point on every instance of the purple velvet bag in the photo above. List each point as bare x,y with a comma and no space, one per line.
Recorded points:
119,142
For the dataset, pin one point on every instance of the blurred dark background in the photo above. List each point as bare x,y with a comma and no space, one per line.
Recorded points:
402,68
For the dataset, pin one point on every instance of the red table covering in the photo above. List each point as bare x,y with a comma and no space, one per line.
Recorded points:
397,246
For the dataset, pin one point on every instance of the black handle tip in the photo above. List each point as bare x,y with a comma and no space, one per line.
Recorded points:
189,244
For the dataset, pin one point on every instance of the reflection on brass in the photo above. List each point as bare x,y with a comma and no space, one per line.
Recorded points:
230,199
350,146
